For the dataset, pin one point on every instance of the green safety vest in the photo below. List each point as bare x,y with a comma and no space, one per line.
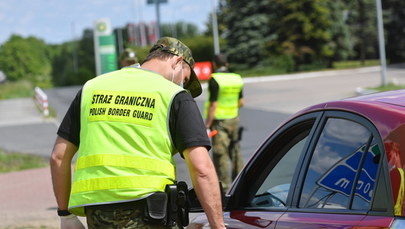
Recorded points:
125,150
230,86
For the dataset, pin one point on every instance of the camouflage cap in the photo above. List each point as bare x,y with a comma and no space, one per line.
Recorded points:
128,54
176,47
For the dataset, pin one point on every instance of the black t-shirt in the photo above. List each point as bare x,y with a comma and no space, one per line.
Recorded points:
186,126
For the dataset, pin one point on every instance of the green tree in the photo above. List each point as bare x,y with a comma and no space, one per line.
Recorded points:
342,37
86,58
26,58
62,65
246,30
300,29
363,22
394,18
75,63
202,47
267,31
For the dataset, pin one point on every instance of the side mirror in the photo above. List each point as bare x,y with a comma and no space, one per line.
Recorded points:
194,203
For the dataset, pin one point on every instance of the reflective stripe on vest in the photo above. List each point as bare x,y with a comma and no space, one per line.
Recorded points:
230,86
119,183
125,149
400,197
127,161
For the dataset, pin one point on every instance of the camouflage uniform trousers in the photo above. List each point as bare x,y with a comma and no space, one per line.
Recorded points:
118,216
226,150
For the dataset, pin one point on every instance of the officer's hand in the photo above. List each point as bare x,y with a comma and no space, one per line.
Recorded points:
70,222
211,133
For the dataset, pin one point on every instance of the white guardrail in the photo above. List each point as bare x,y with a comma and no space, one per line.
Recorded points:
42,100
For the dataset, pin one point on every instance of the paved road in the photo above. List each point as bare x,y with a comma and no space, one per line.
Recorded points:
26,197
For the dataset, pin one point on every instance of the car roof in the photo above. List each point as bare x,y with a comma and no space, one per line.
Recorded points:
396,97
386,110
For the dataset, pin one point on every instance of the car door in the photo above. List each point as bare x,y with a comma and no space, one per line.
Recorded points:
337,185
323,169
263,191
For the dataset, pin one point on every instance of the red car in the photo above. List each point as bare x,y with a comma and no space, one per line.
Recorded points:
334,165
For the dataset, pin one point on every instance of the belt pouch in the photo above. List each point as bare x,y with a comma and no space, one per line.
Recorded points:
156,209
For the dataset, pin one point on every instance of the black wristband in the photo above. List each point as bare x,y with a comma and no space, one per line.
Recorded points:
63,212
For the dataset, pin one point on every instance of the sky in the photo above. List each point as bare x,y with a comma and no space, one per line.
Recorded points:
57,21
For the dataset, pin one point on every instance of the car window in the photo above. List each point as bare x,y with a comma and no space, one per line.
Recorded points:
339,153
282,156
274,190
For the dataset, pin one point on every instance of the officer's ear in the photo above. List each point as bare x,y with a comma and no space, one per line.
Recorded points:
176,60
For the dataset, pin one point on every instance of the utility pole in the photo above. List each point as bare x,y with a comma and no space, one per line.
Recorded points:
74,53
157,3
381,43
215,27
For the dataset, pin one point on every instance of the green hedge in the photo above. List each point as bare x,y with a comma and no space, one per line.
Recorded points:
202,48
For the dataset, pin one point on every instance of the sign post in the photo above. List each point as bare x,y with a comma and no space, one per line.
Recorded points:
381,43
104,47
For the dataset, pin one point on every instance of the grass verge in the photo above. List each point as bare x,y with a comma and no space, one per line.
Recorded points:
355,64
269,70
19,89
388,87
12,161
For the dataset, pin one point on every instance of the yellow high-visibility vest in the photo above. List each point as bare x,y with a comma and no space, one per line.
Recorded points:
125,150
230,86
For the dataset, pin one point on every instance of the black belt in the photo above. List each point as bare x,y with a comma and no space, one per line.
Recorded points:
137,204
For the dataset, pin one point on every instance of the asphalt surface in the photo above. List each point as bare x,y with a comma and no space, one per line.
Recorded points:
26,197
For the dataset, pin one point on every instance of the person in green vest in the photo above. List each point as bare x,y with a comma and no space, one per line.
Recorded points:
125,127
225,97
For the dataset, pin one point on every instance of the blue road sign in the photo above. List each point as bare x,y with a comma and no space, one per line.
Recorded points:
341,176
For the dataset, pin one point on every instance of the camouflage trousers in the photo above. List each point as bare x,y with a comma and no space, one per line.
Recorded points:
226,150
118,216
